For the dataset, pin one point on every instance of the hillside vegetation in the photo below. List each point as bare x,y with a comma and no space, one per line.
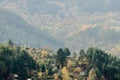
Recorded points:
17,29
63,32
60,40
20,62
72,23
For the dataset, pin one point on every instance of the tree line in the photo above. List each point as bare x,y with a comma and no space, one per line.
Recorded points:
93,64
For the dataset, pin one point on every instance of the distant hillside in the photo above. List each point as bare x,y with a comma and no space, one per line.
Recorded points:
75,23
97,36
15,28
62,7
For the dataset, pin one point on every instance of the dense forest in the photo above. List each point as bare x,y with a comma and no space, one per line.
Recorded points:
26,63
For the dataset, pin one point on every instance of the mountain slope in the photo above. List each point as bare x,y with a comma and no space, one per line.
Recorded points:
63,7
15,28
95,36
73,23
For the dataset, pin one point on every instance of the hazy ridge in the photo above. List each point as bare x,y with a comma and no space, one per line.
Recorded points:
77,24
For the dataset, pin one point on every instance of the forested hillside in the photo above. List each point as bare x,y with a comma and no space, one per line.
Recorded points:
22,62
71,23
17,29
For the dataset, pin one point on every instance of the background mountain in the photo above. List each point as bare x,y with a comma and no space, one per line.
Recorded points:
15,28
67,6
77,24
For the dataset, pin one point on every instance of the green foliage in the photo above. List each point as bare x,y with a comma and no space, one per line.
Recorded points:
43,69
62,55
95,63
82,52
50,71
67,52
81,55
10,43
105,64
14,61
3,68
33,78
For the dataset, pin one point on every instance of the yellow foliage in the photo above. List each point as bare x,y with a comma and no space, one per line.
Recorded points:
65,75
44,53
85,61
75,79
92,75
39,74
80,62
69,63
56,77
78,69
